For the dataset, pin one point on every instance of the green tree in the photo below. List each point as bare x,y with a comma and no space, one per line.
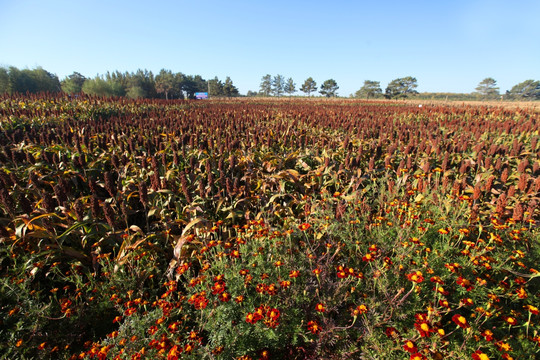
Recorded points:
371,89
290,87
527,90
192,84
401,88
229,89
252,93
4,81
215,87
487,88
165,83
73,83
278,85
266,85
309,86
101,87
329,88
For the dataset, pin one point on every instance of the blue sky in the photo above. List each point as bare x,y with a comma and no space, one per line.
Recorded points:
447,45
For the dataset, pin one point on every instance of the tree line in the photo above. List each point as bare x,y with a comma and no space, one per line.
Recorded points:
170,85
139,84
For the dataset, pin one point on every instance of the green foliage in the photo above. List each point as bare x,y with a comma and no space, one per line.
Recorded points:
401,88
309,86
487,88
101,87
229,89
266,85
527,90
290,87
278,85
329,88
371,89
73,83
13,80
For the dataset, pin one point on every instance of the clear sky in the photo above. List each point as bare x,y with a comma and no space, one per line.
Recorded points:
447,45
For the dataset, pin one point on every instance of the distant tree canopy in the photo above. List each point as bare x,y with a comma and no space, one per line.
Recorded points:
290,86
309,86
401,88
329,88
13,80
169,85
266,85
488,88
527,90
73,83
371,89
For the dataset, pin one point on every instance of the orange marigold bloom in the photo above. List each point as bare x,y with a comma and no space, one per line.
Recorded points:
510,320
461,321
416,277
320,307
417,356
391,332
225,297
304,226
532,309
410,346
521,293
360,309
285,284
423,328
479,355
314,327
294,273
368,257
464,283
42,346
174,353
487,334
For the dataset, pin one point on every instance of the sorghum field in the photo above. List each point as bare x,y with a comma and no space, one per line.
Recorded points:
265,229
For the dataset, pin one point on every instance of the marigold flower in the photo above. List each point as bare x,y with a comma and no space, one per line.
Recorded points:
174,353
502,346
304,226
239,299
510,320
532,309
423,328
42,346
521,293
461,321
416,277
391,332
225,297
487,334
320,307
368,257
479,355
218,288
285,284
410,347
360,309
294,273
314,327
464,283
417,356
